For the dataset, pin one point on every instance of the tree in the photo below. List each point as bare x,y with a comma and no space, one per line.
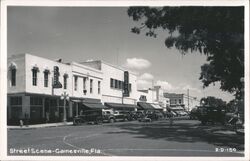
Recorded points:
213,101
217,32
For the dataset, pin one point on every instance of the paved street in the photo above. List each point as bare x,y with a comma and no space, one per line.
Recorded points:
184,138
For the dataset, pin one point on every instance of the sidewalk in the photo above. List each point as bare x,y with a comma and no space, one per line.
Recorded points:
40,125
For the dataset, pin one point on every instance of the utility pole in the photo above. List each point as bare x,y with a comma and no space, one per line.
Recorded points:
188,98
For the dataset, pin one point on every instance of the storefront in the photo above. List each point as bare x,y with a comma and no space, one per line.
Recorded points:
145,106
121,107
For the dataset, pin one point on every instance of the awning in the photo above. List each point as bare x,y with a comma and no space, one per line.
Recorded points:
157,107
177,108
119,106
145,106
94,105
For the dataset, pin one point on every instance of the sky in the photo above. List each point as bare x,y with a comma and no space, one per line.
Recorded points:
103,33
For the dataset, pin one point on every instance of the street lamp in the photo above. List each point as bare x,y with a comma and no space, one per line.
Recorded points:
64,97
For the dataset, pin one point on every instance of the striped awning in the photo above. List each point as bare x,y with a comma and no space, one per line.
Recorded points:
94,105
119,106
156,106
145,106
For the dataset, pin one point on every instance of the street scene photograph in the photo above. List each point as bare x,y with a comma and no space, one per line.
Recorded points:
148,81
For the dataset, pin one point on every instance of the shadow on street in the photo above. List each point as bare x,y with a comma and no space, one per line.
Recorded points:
183,132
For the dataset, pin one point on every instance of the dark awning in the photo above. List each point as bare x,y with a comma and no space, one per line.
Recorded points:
145,106
118,106
94,105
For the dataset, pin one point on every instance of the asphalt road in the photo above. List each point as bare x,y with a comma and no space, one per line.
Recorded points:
184,138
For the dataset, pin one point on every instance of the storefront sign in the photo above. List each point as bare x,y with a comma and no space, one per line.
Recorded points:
126,84
143,98
56,82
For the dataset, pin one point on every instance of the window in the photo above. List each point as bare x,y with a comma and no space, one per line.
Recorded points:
84,83
91,86
175,101
34,77
36,101
65,80
111,82
179,101
16,100
76,79
99,87
129,87
120,84
46,78
116,83
13,77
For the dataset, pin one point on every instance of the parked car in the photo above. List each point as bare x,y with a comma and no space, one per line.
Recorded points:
108,116
210,114
149,117
94,116
159,115
138,115
128,115
119,116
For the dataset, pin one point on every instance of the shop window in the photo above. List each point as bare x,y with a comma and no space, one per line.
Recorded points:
16,100
99,87
36,101
91,86
76,80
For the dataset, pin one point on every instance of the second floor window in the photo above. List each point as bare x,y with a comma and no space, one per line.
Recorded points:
46,78
76,79
84,83
91,86
34,76
99,87
65,80
13,77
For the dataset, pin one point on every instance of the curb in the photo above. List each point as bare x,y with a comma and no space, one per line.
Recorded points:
38,126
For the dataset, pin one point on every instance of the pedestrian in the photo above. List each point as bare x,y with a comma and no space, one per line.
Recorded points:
21,123
170,116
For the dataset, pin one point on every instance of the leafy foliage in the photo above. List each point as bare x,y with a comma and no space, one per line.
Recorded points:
213,101
217,32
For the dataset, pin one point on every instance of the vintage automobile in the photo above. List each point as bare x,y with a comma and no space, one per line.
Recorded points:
149,117
210,114
97,116
119,116
129,116
88,116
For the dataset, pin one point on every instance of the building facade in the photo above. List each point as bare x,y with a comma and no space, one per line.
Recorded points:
114,80
42,90
182,100
31,94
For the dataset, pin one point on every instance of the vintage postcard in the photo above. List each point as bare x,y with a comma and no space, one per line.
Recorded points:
101,80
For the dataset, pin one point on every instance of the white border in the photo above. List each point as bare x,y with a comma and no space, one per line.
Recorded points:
3,68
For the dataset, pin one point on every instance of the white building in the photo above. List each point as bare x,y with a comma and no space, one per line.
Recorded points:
36,86
30,91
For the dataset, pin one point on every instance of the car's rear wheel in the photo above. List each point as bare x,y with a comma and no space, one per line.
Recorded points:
111,120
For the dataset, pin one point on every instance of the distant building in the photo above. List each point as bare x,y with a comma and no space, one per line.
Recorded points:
182,100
